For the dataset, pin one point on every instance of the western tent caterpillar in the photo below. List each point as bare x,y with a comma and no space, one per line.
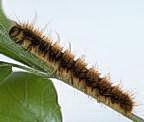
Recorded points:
73,70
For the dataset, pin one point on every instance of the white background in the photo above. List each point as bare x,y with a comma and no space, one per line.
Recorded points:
110,35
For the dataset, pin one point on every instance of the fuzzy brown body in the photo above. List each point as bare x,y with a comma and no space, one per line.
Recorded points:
76,71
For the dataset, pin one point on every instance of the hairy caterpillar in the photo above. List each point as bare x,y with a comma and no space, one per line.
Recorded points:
73,70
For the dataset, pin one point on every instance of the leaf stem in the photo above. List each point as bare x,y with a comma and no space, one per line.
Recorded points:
31,70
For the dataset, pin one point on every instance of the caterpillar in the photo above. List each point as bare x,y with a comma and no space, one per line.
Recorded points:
75,71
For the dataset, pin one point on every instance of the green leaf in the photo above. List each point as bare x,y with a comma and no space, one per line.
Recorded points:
5,70
3,19
25,97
